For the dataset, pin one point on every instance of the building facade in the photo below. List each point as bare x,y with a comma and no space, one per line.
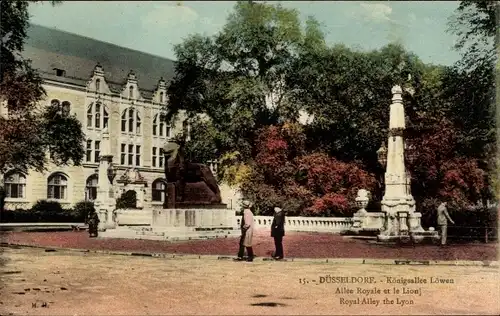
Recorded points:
104,86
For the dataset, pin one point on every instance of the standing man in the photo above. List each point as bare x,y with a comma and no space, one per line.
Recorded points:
278,231
246,233
93,223
442,220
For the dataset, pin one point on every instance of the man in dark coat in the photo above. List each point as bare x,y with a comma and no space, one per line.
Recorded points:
93,224
277,232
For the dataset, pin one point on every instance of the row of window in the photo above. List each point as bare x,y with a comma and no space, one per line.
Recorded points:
158,157
93,149
98,117
57,187
15,186
130,154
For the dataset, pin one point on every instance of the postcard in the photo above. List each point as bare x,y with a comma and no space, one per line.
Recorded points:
249,158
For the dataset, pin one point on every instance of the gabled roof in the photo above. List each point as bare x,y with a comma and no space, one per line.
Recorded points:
78,55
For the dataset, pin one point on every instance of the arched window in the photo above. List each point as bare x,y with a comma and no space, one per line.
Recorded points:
91,188
57,187
137,123
131,92
155,125
98,85
97,116
161,97
15,185
131,121
89,116
124,121
157,190
160,127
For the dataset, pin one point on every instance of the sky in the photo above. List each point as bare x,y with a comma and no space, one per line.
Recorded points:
155,27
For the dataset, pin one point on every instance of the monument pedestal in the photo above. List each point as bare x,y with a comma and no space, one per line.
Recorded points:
180,224
402,224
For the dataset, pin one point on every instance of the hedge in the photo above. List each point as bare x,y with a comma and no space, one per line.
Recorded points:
49,212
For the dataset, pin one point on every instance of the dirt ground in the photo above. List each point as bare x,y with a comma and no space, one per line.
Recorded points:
35,282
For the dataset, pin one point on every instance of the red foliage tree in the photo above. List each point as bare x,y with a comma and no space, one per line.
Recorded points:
305,184
333,182
440,172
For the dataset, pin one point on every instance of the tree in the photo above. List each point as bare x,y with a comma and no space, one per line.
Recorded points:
29,132
303,183
237,77
348,92
440,171
476,25
202,146
471,86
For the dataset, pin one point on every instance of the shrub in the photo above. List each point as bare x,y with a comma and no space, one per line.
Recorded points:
44,206
127,200
42,212
82,209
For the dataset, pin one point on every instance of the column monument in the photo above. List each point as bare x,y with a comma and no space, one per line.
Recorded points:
398,205
105,202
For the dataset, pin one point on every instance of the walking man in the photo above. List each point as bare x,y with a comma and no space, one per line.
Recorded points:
442,220
246,233
277,232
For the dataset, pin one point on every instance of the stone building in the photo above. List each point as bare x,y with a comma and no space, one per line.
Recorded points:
104,86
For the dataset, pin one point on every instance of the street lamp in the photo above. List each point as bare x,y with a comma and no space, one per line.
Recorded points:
382,155
111,173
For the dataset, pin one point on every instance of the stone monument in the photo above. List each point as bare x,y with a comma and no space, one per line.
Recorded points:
188,184
401,221
105,201
192,207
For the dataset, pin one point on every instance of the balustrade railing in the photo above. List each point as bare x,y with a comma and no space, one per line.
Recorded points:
306,224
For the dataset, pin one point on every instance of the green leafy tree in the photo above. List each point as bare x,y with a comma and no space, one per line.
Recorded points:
29,133
471,85
237,77
202,146
348,93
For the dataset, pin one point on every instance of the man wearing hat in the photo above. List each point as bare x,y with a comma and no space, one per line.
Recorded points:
277,232
246,232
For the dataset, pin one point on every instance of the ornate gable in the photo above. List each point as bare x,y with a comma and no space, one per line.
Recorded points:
97,82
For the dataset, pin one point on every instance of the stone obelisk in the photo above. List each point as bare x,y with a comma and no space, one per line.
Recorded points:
105,202
398,204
